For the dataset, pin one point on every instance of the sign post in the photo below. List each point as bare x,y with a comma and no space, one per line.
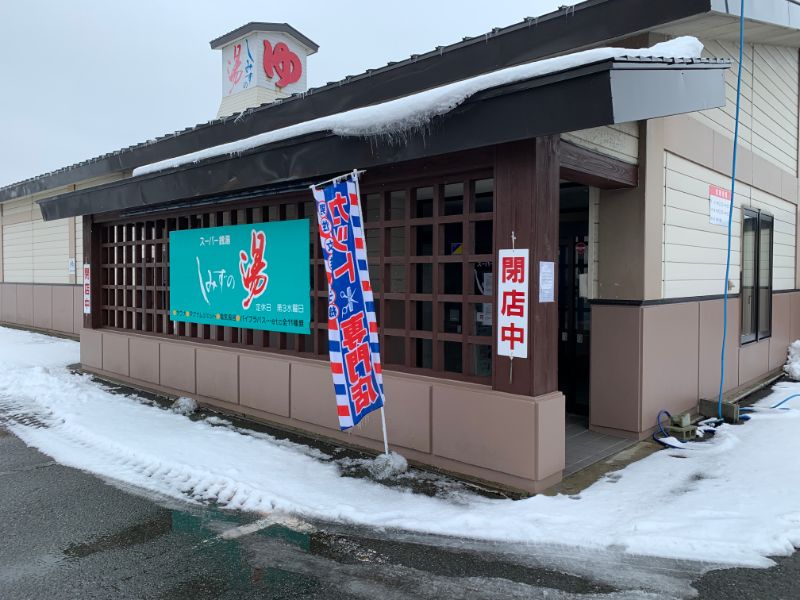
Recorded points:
352,327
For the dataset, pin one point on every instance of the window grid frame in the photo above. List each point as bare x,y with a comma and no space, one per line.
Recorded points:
134,274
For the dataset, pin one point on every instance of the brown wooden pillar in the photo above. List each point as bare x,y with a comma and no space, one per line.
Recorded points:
92,247
527,204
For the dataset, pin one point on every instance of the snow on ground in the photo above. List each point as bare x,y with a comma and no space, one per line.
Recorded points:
732,500
792,366
415,111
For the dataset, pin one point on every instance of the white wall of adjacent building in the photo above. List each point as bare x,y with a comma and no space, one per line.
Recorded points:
695,249
769,109
35,251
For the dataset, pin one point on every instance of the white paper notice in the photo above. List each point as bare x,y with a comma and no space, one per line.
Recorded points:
546,281
719,204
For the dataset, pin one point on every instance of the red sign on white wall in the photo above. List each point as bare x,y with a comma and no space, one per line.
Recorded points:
512,303
284,63
719,205
87,289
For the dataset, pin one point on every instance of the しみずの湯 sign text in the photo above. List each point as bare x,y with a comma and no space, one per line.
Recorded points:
248,276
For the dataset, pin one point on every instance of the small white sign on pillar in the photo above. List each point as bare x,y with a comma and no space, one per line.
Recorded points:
719,205
71,266
547,277
512,303
87,289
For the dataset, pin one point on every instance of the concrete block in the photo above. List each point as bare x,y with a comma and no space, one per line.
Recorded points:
264,384
218,374
177,366
115,353
144,360
43,306
482,427
91,348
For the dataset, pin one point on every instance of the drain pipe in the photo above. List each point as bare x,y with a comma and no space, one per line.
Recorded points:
730,212
660,428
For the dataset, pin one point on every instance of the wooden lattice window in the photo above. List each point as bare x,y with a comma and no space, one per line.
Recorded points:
431,254
135,275
431,251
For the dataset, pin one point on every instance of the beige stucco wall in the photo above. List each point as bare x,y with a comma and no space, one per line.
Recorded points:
630,225
465,428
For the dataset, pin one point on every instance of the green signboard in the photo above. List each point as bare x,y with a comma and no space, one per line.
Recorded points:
250,276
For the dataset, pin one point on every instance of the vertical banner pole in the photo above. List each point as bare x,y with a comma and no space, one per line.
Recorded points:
385,438
383,408
352,327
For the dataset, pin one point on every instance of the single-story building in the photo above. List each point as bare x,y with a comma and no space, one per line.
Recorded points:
612,166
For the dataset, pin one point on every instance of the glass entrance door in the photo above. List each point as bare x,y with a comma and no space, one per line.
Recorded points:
573,300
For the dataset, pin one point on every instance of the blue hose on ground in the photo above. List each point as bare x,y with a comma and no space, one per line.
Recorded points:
785,400
663,431
730,211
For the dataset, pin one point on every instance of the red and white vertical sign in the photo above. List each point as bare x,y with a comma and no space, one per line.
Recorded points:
719,205
87,289
512,303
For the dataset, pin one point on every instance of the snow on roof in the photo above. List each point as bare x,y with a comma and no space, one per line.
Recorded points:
415,111
437,51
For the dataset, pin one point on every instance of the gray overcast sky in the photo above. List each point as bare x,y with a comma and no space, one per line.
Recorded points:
85,77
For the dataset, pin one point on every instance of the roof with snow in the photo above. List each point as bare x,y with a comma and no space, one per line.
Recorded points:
577,91
584,25
415,111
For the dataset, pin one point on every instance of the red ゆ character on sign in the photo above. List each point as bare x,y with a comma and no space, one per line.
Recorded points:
283,62
251,268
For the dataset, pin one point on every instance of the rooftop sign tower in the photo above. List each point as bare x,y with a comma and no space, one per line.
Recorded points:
261,62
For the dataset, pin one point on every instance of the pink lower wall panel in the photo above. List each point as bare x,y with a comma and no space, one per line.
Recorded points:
467,427
49,307
667,356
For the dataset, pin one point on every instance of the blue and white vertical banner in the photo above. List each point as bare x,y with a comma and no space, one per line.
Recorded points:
352,328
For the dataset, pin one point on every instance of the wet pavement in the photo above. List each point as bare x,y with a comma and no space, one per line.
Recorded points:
67,534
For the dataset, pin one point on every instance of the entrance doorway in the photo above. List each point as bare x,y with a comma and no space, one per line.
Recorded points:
574,285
